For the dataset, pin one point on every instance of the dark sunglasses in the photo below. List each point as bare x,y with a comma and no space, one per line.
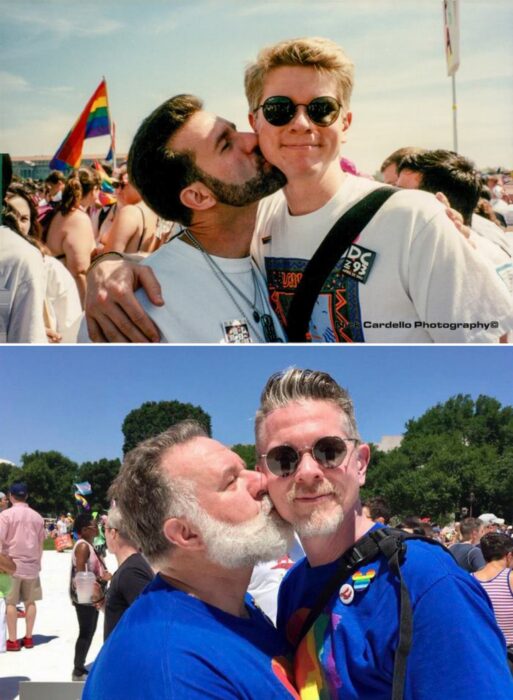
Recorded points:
329,452
279,110
120,185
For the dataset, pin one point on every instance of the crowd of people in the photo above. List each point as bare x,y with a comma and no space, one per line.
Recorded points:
250,212
64,221
361,610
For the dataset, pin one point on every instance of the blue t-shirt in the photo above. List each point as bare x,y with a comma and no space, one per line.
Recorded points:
457,650
171,645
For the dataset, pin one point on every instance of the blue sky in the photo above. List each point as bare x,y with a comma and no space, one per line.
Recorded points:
74,399
54,52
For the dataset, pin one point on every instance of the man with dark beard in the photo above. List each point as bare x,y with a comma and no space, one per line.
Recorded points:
201,519
195,168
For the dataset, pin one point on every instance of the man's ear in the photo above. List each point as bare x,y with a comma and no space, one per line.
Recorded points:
180,533
252,121
198,197
362,457
346,123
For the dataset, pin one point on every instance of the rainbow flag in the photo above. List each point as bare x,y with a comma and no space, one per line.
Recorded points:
107,196
94,121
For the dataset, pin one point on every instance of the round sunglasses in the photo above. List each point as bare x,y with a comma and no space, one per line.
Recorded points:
329,452
279,110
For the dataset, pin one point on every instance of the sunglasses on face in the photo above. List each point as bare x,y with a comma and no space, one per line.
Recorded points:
329,452
279,110
120,185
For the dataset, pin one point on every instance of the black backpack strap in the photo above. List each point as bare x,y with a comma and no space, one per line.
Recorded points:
336,241
363,551
392,546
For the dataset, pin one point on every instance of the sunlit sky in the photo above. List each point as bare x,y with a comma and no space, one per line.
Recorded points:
74,399
55,52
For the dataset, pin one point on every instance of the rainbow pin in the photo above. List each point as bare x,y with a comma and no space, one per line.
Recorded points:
361,580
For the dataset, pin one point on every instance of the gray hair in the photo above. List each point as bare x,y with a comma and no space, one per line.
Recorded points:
146,496
116,522
296,385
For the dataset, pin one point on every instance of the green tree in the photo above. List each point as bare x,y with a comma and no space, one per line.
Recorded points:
247,453
50,477
100,475
153,417
8,474
457,454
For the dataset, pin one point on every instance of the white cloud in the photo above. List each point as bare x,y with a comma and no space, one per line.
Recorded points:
12,83
56,19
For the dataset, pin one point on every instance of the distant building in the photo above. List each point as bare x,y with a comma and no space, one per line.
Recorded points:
389,442
38,167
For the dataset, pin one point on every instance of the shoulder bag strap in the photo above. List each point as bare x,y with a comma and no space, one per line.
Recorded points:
337,240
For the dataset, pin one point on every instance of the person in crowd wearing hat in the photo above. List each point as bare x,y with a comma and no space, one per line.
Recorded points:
21,538
491,523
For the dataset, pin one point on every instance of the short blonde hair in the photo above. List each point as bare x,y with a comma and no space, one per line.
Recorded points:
322,54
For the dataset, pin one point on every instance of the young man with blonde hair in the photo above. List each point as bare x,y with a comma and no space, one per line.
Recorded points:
407,277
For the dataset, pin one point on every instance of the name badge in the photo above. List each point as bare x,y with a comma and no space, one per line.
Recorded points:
358,262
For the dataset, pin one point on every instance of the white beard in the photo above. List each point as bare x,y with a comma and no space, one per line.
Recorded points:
264,538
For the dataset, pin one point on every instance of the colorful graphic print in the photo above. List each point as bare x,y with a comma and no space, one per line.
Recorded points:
336,316
315,674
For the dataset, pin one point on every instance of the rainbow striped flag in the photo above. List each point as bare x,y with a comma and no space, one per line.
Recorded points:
94,121
107,196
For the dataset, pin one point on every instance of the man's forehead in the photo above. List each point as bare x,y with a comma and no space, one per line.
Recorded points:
202,130
197,458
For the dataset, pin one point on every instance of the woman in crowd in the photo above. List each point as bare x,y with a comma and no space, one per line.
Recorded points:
133,573
62,309
84,558
70,234
133,225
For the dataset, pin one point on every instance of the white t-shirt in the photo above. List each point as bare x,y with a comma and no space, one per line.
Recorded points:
424,282
22,284
198,306
267,576
491,241
63,299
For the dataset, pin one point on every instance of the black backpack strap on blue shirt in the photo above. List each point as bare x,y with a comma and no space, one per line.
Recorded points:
390,543
336,241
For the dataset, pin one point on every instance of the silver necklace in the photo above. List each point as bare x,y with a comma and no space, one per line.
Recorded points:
265,320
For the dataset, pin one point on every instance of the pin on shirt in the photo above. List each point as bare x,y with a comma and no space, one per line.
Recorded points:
236,331
346,593
361,579
358,262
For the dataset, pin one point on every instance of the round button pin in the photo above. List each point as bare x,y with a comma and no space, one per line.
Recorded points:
346,593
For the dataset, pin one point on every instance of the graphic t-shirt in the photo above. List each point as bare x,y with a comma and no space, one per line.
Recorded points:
409,277
457,650
171,646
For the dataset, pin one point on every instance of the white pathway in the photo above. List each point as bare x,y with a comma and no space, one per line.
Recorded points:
55,632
